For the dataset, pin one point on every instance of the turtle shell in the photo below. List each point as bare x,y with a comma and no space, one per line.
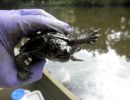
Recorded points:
53,46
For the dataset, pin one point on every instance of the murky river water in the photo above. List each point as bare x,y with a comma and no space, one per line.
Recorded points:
105,72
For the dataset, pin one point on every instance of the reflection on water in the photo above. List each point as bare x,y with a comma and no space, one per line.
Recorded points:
105,73
99,77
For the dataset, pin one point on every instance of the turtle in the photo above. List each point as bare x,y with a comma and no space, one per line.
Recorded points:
55,46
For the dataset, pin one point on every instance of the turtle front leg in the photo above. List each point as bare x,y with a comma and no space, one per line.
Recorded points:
92,36
24,72
89,37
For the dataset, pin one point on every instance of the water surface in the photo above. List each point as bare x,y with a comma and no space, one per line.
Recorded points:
105,72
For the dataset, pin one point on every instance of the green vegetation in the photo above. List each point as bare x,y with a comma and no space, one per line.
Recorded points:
88,2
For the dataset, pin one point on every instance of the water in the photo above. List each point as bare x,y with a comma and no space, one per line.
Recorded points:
105,73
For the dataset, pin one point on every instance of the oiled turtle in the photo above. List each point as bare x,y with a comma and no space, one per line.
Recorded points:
54,46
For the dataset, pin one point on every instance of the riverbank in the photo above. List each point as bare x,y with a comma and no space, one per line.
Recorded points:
88,3
75,3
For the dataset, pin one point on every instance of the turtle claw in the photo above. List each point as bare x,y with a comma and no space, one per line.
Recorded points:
28,70
98,35
92,42
75,59
24,75
93,36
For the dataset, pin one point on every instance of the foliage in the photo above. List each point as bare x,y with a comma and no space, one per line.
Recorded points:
75,2
89,2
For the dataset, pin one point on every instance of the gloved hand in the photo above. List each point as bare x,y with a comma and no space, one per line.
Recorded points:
15,24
